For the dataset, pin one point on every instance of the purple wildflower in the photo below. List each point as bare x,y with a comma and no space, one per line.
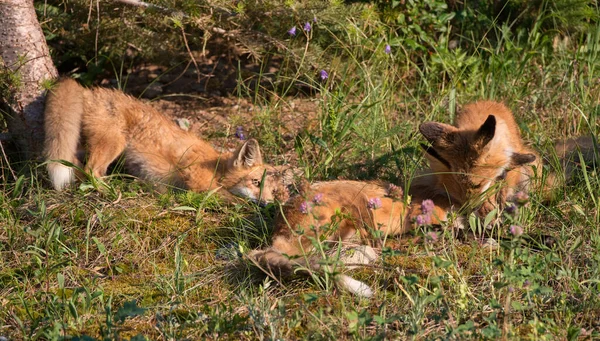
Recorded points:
374,203
511,289
318,198
423,219
292,31
420,220
511,209
521,198
432,236
304,206
315,18
388,49
239,133
526,283
307,27
324,75
516,230
427,207
395,192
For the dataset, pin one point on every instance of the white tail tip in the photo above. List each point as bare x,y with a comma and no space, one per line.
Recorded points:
356,287
61,176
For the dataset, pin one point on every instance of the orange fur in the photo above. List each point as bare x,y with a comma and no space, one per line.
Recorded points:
343,214
106,123
483,148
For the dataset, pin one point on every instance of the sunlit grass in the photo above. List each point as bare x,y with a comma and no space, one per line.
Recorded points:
120,260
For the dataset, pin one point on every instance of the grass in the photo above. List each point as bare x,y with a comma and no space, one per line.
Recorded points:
127,263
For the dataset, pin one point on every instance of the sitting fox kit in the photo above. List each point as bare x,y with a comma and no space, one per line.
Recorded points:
107,123
484,147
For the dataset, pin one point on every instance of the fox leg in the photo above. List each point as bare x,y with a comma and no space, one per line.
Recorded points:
103,151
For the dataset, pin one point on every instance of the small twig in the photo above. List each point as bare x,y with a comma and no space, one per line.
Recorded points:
6,158
187,47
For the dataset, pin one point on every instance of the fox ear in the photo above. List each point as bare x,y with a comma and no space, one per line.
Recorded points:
520,159
487,131
248,155
434,131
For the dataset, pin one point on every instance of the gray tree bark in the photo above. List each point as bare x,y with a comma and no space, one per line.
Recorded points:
23,50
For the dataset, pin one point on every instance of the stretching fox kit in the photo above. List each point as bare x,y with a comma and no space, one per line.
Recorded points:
484,147
107,123
338,211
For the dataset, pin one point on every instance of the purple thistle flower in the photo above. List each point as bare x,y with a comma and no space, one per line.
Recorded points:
420,220
526,283
432,236
324,75
318,198
395,192
307,27
516,230
427,207
511,289
304,206
374,203
292,31
239,133
388,49
521,198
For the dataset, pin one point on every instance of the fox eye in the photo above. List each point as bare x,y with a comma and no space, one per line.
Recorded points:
474,186
502,175
256,182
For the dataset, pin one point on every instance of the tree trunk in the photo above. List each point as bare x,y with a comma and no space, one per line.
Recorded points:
23,50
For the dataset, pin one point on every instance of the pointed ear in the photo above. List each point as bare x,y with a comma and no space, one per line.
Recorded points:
520,159
434,131
487,131
248,155
435,155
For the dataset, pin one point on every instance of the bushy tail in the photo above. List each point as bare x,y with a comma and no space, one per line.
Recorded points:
278,265
62,126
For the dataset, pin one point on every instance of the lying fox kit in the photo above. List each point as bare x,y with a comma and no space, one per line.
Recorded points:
483,148
338,211
105,123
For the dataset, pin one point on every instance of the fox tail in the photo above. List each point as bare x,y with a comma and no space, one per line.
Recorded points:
62,127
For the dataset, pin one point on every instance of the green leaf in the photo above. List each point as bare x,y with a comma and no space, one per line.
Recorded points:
61,280
309,298
99,245
184,208
129,309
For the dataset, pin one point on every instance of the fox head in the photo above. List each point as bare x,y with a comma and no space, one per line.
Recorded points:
470,162
247,176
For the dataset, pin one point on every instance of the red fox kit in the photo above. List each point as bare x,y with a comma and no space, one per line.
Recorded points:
338,211
484,147
106,123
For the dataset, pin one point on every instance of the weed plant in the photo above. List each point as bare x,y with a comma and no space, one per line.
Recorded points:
114,260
